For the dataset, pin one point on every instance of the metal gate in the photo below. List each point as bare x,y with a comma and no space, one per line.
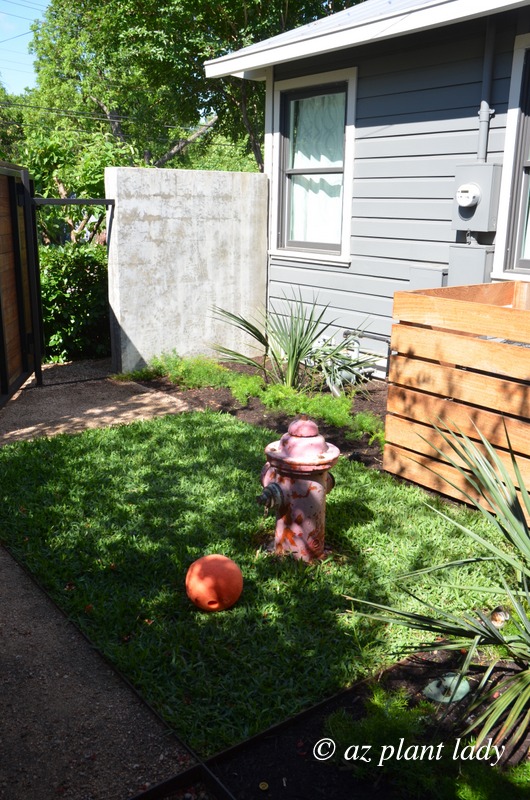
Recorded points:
20,314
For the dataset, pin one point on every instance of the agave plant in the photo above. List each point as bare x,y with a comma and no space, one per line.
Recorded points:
343,363
291,342
500,711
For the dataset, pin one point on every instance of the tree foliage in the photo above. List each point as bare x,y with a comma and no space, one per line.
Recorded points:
11,132
136,68
74,302
121,82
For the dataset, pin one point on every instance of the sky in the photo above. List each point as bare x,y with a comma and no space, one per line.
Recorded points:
16,64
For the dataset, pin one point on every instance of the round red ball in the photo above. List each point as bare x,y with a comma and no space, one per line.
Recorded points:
214,583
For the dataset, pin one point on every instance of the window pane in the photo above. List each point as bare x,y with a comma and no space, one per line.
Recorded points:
316,209
316,133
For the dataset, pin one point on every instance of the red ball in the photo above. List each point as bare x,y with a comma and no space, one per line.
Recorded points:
214,583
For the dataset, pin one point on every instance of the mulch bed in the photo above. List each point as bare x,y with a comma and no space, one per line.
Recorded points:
372,398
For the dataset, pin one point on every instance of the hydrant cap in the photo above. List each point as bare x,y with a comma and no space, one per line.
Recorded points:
303,427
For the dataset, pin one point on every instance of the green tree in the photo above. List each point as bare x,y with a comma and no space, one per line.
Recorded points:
65,165
136,68
11,128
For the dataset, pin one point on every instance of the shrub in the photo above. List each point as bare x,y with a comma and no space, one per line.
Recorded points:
75,301
500,711
295,347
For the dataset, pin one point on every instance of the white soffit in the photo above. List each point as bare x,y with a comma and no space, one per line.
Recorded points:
369,21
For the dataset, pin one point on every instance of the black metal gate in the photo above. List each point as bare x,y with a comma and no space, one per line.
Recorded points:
20,311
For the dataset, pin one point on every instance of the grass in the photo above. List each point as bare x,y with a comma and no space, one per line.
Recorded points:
110,520
199,372
431,773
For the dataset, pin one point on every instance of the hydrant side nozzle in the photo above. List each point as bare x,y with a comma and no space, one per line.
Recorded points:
271,497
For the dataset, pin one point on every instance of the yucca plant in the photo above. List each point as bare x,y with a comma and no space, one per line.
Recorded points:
291,343
500,711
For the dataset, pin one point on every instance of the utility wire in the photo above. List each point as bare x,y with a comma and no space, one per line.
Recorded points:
9,14
89,115
25,5
14,69
26,33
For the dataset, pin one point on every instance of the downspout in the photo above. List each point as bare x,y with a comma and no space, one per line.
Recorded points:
486,112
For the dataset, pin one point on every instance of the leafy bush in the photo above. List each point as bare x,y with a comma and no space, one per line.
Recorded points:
335,410
75,301
366,422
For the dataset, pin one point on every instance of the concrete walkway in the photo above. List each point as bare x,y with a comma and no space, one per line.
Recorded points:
77,396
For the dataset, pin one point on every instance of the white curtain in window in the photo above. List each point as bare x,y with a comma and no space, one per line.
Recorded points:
316,209
317,142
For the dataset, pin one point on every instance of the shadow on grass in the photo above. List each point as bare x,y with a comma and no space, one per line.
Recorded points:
110,520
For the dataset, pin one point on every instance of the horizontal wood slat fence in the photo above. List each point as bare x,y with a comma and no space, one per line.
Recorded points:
460,358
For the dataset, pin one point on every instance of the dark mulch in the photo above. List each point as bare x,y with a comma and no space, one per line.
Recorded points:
372,398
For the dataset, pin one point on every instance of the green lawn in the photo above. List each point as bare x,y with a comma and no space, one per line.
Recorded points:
110,520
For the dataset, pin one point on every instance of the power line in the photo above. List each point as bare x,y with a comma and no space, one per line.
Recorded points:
10,60
14,69
26,33
9,14
91,134
79,114
25,5
6,50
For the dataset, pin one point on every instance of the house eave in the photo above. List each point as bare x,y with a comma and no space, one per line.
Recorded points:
251,62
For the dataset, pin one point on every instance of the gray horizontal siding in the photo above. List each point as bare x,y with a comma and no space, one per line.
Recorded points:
416,119
460,143
408,208
346,281
410,250
393,170
425,123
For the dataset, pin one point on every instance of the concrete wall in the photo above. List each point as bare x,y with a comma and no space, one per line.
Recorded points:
181,241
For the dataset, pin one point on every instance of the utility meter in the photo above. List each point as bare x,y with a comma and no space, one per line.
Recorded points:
476,197
468,195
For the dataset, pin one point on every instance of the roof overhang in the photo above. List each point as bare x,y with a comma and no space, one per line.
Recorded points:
320,37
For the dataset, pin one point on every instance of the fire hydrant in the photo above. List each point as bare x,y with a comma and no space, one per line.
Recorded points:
296,480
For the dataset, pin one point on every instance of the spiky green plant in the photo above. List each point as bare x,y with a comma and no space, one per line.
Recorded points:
500,711
291,343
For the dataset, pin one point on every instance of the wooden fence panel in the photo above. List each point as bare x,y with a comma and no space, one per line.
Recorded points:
19,296
460,360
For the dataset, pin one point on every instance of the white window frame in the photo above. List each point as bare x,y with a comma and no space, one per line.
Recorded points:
273,165
503,262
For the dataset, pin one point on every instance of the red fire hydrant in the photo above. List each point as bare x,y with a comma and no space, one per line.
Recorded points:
296,480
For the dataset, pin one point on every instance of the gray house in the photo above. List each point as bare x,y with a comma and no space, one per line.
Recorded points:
398,151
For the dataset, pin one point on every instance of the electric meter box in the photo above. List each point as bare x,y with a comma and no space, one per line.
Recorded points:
469,264
476,197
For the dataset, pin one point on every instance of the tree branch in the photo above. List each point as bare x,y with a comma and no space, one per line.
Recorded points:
183,143
63,194
113,117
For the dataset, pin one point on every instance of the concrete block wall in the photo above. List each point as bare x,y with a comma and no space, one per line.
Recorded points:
179,242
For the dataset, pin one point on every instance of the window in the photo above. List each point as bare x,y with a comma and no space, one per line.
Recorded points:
309,156
313,175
